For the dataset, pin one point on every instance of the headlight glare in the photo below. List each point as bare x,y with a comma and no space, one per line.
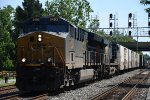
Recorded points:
49,59
39,36
39,39
23,60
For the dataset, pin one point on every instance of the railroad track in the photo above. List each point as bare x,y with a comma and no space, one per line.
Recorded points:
8,92
135,89
7,87
124,90
40,97
12,93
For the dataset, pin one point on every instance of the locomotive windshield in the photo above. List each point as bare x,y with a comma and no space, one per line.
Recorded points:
46,24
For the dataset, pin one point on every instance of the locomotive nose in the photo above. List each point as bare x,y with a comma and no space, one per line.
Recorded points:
31,49
36,48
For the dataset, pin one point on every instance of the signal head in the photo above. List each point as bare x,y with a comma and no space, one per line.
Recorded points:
110,33
130,15
129,24
130,33
110,16
110,24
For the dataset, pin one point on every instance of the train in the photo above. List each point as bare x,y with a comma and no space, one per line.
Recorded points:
52,53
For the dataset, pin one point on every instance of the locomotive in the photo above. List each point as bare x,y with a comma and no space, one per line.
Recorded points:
53,53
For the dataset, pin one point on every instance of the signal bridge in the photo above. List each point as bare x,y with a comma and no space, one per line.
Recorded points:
125,31
131,32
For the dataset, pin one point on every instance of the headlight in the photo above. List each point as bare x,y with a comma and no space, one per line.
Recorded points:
39,37
49,59
23,60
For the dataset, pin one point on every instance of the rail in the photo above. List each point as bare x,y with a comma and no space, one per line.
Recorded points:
8,92
104,94
133,90
40,97
100,95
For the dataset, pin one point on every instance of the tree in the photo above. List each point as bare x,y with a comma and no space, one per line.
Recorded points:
94,24
145,2
75,11
31,8
6,43
116,37
146,56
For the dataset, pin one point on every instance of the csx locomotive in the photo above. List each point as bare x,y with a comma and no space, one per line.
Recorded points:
52,53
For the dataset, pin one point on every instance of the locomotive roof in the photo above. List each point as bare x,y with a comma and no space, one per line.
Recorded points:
97,38
49,24
62,35
47,20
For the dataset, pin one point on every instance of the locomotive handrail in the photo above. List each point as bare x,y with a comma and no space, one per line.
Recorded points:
59,53
61,56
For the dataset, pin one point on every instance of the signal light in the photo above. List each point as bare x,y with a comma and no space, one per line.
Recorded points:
110,33
149,24
110,24
129,24
110,16
130,15
130,33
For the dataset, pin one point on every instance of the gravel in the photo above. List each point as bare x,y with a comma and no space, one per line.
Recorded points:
144,93
85,92
141,94
91,89
148,94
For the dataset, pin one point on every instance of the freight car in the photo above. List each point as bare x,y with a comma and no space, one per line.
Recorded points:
52,53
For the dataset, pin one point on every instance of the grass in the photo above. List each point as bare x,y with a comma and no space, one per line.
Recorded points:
6,84
8,78
1,78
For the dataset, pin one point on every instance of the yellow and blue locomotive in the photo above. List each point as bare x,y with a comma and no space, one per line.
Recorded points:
52,53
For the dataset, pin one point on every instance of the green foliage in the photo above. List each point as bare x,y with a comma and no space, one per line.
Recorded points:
94,25
31,8
6,43
75,11
146,56
117,37
145,2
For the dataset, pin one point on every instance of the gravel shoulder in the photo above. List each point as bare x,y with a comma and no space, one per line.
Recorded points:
84,93
148,94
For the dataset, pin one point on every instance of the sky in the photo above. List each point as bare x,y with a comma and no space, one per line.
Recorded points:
103,8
